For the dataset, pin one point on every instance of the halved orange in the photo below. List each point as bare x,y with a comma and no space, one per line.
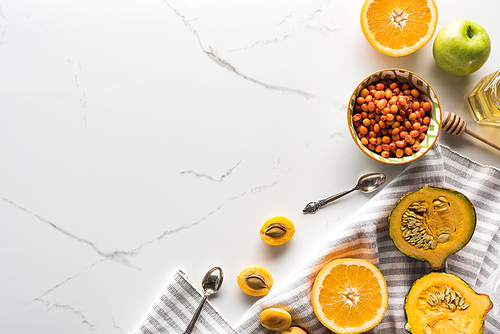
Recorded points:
398,28
349,296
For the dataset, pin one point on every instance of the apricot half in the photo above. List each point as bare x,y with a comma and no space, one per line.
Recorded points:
294,330
278,230
275,319
255,281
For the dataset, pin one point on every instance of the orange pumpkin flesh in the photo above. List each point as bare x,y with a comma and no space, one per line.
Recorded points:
444,303
432,223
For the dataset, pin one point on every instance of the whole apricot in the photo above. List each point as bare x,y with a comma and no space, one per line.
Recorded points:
275,319
294,330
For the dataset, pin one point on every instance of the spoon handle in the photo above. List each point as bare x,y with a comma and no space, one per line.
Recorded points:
312,207
337,196
195,316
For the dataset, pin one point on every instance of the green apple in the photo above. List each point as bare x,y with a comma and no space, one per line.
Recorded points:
461,47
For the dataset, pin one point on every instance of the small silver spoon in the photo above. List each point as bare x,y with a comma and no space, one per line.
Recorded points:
211,283
367,183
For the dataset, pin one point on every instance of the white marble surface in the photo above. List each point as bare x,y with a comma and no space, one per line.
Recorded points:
138,137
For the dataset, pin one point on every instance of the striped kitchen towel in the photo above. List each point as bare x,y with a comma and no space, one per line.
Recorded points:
365,235
173,309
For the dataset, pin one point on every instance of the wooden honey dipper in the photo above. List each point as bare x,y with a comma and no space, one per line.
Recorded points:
454,124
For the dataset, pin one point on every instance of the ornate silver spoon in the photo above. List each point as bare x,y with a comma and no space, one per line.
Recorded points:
367,183
211,283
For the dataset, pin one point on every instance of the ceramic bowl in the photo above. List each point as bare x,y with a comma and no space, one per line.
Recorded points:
426,94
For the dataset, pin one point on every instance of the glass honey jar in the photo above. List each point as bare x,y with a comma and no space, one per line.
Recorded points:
484,100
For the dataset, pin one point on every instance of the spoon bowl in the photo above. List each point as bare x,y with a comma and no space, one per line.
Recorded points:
366,183
211,283
370,182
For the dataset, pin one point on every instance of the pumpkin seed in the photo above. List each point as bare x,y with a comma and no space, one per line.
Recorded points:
414,230
438,296
275,230
461,302
458,293
447,290
440,208
427,329
417,239
464,306
452,307
444,237
256,281
445,230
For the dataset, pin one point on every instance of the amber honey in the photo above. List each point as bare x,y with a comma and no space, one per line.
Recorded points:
484,100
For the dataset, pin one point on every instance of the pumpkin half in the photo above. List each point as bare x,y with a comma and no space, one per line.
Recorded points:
444,303
432,223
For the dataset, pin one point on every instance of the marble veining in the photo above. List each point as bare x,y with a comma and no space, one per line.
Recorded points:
316,21
81,87
208,176
68,308
116,256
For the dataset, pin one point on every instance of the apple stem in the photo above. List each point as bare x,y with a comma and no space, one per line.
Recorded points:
469,31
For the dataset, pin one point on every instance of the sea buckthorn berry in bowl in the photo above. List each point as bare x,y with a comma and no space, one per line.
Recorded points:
402,121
